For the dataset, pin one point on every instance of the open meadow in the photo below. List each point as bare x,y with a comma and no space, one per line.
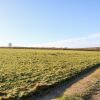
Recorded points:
26,71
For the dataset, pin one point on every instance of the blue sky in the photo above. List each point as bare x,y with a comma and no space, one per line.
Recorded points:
31,22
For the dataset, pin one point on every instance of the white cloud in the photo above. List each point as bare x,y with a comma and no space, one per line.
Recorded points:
90,41
96,35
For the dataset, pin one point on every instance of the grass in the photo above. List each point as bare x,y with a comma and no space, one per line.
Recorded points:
23,71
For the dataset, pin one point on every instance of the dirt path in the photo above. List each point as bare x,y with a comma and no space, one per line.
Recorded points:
75,86
83,84
96,96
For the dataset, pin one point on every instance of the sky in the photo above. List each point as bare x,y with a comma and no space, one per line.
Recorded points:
51,23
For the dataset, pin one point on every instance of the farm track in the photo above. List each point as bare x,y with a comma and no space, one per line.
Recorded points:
75,84
96,96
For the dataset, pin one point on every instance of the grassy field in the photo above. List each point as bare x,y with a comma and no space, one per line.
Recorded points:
23,71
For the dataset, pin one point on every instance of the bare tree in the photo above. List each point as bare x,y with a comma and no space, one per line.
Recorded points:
10,45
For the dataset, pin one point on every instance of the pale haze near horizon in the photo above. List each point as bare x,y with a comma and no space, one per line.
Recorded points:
50,23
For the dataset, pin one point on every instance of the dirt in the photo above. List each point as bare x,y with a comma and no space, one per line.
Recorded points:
96,96
75,86
83,84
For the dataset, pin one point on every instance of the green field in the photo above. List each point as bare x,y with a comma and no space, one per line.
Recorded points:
22,71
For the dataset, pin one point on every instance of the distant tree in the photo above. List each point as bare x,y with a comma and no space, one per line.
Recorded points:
10,44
